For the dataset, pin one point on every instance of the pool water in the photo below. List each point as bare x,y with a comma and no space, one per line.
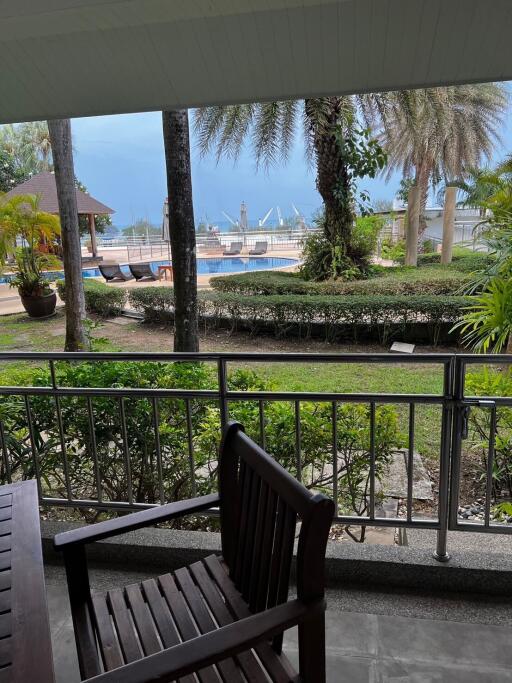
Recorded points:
212,266
205,266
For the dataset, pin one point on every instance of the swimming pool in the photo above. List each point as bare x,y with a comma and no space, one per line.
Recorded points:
213,266
205,266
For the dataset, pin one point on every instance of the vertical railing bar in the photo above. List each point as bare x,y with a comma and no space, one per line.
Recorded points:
453,389
410,462
335,456
35,455
126,451
97,474
60,426
156,422
490,467
372,460
263,438
298,444
191,456
221,372
5,454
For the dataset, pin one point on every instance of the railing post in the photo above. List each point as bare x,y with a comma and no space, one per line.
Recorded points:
441,552
223,388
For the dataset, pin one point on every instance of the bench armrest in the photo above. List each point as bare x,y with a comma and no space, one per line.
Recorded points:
210,648
136,520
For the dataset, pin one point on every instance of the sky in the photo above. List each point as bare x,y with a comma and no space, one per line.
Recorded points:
120,159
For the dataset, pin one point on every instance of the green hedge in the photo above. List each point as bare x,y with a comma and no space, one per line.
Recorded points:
379,317
389,282
101,299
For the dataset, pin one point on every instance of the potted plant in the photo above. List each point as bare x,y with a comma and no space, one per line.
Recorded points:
21,218
33,285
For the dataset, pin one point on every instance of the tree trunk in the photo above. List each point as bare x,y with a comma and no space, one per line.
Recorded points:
60,136
413,213
182,232
332,181
450,200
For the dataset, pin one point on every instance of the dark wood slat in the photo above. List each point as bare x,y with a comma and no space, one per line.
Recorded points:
245,491
5,624
184,622
5,651
257,567
275,562
7,675
228,669
277,666
5,543
5,527
250,529
5,580
111,653
6,501
5,513
286,552
247,660
259,600
146,627
5,601
124,626
5,560
163,619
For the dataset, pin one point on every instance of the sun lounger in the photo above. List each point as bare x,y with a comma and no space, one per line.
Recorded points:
141,271
260,248
113,273
234,249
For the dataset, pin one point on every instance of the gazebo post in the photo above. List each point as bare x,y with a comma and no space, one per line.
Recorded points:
92,232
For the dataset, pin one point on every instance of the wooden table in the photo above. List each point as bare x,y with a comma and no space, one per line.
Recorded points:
163,270
25,643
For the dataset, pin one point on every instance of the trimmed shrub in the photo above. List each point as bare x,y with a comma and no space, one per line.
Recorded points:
155,303
100,299
389,281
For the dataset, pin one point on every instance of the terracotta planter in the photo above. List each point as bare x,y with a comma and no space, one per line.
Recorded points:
40,306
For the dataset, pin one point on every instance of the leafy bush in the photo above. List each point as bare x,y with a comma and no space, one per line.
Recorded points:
378,314
156,303
491,383
394,251
389,281
463,259
146,459
100,299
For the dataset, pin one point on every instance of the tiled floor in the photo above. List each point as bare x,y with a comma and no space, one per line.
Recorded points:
361,648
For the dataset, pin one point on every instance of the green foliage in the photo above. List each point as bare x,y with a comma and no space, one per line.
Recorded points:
487,323
30,278
100,299
141,228
389,281
156,303
394,251
172,457
491,383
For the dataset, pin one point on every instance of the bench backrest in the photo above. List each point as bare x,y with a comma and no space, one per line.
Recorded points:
260,505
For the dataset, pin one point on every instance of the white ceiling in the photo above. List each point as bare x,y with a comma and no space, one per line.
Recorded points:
84,57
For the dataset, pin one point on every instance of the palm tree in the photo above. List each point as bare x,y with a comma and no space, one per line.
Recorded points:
438,133
21,216
182,233
272,127
60,135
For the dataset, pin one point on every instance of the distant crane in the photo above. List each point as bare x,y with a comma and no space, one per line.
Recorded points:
279,218
231,220
300,218
263,220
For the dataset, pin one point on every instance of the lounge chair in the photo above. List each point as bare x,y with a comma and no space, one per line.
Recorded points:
113,273
141,271
234,249
260,248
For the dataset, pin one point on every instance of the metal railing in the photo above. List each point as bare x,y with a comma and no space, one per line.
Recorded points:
49,452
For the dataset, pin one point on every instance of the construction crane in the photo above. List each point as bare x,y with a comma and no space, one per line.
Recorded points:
300,218
231,220
279,218
263,220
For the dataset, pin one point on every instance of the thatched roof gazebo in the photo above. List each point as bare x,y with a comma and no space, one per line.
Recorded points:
43,184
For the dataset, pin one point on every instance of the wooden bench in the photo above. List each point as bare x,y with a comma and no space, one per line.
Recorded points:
223,618
25,642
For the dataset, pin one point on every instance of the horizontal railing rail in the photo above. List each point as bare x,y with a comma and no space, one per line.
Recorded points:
122,464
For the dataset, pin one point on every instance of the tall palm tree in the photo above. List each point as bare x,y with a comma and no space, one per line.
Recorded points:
60,134
440,133
182,233
272,127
